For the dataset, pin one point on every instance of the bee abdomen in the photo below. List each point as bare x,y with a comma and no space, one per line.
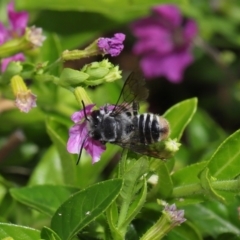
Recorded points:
152,128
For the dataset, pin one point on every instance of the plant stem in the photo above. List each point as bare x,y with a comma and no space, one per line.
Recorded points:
195,189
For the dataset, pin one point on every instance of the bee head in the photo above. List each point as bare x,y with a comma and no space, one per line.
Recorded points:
94,124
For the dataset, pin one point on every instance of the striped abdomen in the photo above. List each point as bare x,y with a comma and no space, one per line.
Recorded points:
151,128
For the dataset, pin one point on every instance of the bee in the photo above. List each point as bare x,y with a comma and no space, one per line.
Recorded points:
122,124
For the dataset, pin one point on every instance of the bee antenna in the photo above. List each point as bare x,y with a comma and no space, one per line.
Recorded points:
81,149
84,111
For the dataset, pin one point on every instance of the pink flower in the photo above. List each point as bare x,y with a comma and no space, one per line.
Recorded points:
79,136
112,46
18,23
164,43
25,99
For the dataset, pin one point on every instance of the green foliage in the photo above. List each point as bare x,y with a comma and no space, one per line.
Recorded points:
123,195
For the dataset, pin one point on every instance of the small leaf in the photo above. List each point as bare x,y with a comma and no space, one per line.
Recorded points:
17,232
208,221
164,186
58,134
188,175
49,169
186,231
224,163
131,186
44,198
112,217
83,207
49,234
206,184
180,115
137,204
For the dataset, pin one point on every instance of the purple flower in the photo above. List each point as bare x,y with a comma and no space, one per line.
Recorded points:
79,136
18,23
164,43
176,216
112,46
18,20
25,99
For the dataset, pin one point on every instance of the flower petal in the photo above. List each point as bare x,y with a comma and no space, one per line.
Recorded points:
171,66
190,30
18,20
168,14
25,101
77,135
95,149
79,116
159,40
112,46
3,34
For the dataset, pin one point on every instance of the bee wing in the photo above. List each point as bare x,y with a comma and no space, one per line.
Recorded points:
133,90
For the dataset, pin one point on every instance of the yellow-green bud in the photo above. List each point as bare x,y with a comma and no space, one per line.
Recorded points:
25,99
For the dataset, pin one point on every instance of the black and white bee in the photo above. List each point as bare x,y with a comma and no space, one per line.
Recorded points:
122,124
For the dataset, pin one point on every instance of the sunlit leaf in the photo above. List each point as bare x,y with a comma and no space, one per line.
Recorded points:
179,116
49,234
224,163
83,207
208,221
58,134
17,232
44,198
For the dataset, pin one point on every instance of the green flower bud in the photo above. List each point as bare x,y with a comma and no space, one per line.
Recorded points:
100,72
25,99
13,68
70,78
82,96
171,217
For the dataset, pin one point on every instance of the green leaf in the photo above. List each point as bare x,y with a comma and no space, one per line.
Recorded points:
203,130
188,175
206,184
131,187
17,232
180,115
49,169
58,134
114,8
136,205
165,185
49,234
51,51
224,163
209,221
186,231
83,207
44,198
112,217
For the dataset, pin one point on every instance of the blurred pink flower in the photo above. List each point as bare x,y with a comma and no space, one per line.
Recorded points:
25,99
164,43
79,136
112,46
18,23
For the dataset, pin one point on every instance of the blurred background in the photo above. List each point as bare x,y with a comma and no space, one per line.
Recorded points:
213,76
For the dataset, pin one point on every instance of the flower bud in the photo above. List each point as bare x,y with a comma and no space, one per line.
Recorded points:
101,46
70,78
82,96
25,99
100,72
